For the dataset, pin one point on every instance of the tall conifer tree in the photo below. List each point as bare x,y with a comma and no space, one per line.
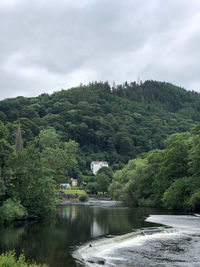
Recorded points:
18,141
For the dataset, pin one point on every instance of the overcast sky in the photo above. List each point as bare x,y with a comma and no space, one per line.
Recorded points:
46,45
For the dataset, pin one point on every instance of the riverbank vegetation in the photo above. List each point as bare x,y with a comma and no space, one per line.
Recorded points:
59,135
30,175
77,192
9,259
166,178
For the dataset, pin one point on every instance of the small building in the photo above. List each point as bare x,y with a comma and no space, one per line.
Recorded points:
74,182
65,186
97,165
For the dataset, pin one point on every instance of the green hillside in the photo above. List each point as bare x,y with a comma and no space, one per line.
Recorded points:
114,124
59,135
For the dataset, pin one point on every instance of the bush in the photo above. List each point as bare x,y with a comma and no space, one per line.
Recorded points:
11,210
10,260
145,202
194,201
91,188
83,198
181,194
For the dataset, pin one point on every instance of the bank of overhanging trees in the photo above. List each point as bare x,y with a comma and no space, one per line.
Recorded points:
29,175
167,178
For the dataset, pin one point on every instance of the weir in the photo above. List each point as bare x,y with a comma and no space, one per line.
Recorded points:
91,253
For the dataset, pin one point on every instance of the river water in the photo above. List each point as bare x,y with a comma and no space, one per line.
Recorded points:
101,230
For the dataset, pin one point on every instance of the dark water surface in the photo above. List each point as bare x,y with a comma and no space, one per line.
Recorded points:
53,241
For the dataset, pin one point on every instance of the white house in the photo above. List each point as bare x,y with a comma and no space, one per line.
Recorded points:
96,165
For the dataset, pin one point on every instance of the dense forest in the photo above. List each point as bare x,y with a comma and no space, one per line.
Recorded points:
110,123
48,139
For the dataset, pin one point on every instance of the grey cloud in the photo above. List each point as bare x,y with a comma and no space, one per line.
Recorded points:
46,45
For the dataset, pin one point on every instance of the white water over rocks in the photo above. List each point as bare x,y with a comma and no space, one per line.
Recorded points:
178,244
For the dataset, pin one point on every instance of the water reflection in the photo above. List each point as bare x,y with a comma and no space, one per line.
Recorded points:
68,212
97,230
53,240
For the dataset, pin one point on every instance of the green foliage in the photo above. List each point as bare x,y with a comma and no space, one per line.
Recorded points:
194,201
115,190
18,141
83,198
171,97
31,182
146,202
12,210
64,132
134,173
5,150
2,188
30,174
48,138
102,182
61,161
116,124
175,196
107,171
9,259
3,131
91,188
174,164
59,157
74,192
182,194
166,178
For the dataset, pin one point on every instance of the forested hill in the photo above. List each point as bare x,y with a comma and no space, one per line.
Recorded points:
170,97
110,123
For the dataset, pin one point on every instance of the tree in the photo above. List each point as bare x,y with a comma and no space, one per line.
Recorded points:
31,182
194,201
135,172
107,171
182,194
61,160
3,131
18,141
173,197
115,190
5,150
174,164
48,138
102,182
2,189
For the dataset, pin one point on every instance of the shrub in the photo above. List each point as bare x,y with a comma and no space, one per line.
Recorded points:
9,259
194,201
145,202
11,210
83,198
182,194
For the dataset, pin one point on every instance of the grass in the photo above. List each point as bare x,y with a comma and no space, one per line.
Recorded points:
74,192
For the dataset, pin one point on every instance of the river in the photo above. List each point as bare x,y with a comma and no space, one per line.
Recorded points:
148,237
